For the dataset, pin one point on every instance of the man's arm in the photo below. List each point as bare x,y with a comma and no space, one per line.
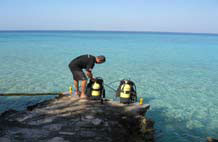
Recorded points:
89,68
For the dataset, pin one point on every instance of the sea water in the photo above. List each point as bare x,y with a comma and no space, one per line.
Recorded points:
177,74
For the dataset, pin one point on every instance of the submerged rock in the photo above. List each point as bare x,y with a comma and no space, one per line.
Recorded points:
67,119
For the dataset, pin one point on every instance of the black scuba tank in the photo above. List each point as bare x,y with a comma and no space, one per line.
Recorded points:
127,91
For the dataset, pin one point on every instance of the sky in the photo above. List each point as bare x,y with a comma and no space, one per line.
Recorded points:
195,16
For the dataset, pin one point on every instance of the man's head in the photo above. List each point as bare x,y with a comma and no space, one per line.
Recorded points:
100,59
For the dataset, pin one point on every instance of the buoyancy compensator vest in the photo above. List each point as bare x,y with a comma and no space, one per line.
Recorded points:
127,91
95,89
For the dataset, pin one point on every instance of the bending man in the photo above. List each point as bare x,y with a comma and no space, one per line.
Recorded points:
77,65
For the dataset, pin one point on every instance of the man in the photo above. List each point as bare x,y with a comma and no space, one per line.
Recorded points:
86,62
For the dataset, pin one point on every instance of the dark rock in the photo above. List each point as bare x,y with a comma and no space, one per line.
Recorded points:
8,113
5,139
67,133
29,133
67,118
57,139
97,121
88,134
209,139
53,127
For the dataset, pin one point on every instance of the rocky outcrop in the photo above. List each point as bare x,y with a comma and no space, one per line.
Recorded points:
68,118
209,139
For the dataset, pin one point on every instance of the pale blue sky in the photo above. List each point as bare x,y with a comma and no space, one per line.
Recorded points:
199,16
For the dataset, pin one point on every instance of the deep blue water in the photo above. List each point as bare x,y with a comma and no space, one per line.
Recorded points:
177,74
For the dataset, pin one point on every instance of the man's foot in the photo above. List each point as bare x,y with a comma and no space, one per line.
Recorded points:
77,93
83,96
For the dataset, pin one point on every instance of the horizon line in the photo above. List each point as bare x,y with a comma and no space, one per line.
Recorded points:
124,31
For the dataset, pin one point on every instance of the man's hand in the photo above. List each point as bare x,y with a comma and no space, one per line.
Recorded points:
89,74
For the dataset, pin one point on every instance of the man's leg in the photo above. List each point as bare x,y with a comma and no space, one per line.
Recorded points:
79,75
83,89
76,85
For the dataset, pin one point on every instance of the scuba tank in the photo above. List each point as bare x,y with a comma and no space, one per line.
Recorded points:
127,91
95,89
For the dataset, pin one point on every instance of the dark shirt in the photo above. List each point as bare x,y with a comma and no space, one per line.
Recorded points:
83,62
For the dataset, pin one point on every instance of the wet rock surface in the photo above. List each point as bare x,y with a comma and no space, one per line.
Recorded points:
69,119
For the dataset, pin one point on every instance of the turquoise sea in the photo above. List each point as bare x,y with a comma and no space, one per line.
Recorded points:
177,74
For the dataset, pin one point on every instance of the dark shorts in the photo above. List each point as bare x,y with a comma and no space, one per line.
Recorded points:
78,75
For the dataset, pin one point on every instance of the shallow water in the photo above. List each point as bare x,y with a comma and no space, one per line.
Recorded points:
175,73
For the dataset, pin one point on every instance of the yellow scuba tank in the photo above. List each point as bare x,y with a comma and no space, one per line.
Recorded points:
96,89
125,93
